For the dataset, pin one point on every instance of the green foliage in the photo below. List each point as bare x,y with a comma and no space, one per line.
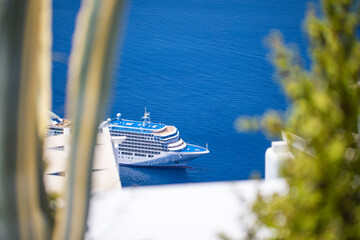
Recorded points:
323,201
272,122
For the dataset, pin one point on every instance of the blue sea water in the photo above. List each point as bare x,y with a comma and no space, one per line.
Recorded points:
198,65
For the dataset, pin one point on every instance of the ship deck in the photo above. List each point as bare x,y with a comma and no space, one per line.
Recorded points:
190,148
137,125
64,123
167,130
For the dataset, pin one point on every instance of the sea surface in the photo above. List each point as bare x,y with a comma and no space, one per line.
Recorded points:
195,64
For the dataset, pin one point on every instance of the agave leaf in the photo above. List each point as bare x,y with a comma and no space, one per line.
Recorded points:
25,65
89,78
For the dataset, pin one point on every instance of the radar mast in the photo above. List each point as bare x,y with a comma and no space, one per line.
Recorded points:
146,118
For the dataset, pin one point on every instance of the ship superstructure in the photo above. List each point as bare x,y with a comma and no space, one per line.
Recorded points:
56,124
143,143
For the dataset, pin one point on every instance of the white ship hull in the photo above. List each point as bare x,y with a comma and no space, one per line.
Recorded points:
165,159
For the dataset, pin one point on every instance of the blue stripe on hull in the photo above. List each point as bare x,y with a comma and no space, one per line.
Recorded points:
154,166
168,161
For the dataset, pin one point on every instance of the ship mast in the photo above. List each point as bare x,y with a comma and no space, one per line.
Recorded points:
146,118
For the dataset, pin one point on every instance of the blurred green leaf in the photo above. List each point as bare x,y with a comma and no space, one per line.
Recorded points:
323,177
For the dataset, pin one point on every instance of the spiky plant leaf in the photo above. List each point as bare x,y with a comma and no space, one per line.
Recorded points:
25,50
89,78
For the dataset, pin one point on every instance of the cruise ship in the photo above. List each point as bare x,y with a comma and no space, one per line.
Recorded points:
56,124
147,144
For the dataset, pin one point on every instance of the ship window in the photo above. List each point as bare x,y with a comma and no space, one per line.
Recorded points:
127,153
